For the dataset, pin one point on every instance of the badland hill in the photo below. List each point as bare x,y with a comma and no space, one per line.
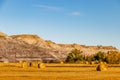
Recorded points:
30,47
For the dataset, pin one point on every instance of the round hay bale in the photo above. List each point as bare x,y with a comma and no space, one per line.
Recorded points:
20,63
34,64
101,67
39,62
1,64
92,62
41,65
86,62
81,62
105,63
61,62
101,62
26,64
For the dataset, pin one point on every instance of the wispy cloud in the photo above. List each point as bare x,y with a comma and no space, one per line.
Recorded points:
55,8
76,13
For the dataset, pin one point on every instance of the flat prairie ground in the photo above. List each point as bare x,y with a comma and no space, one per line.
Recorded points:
59,73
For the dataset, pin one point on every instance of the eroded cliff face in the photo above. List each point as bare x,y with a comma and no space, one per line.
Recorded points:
61,48
3,34
36,40
13,50
32,47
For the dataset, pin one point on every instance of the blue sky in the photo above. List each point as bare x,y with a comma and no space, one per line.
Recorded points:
88,22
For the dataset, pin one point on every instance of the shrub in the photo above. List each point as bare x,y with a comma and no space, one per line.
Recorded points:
90,58
75,56
113,57
100,56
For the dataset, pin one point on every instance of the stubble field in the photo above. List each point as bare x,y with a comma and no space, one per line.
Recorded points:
58,72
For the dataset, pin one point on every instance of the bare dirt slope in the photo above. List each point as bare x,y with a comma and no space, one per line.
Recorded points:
32,47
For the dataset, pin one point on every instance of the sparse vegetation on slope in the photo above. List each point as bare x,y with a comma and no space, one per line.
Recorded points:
112,57
75,56
32,47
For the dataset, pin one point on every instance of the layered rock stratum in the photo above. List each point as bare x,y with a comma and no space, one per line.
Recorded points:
30,47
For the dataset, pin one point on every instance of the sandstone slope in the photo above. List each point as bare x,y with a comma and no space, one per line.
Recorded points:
32,47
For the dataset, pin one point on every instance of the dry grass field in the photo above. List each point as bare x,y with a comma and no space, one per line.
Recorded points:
59,72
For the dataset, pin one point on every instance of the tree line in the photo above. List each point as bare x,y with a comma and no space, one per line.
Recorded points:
76,56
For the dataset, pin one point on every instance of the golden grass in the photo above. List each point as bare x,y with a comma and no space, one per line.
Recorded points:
69,65
56,72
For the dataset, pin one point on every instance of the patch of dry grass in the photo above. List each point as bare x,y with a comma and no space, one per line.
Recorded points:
59,73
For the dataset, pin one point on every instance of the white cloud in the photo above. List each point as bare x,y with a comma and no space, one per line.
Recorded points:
49,7
76,13
55,8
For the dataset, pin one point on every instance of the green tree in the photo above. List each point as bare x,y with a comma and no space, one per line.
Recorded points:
75,56
100,56
90,58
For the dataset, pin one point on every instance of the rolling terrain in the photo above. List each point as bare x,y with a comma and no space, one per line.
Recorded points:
30,47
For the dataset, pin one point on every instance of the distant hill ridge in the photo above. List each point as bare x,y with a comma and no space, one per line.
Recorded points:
32,47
